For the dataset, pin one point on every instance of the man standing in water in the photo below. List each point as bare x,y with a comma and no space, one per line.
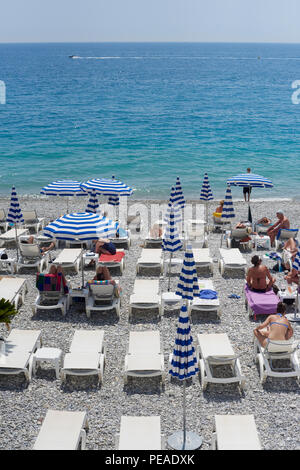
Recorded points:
247,189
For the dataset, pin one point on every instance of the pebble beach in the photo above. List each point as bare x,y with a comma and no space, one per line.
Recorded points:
275,405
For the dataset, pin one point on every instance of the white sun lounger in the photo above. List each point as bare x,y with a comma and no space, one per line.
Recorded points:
31,257
285,234
86,356
145,296
277,351
139,433
20,346
214,350
144,357
237,234
51,300
150,258
103,297
235,432
3,221
112,263
219,223
202,258
31,220
69,258
11,235
13,289
125,240
231,259
195,233
205,305
62,430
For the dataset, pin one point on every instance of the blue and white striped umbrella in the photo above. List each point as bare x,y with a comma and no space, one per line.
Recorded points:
63,188
93,205
173,204
81,226
171,241
188,287
179,197
228,210
14,215
107,187
296,263
184,361
250,179
114,201
206,192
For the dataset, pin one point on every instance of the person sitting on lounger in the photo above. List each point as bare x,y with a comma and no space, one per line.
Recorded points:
258,277
290,250
31,241
219,209
282,223
155,231
102,274
275,328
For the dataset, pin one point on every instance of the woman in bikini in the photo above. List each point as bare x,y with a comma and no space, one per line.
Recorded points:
259,278
275,328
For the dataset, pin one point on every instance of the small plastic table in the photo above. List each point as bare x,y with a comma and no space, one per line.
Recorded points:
53,355
262,241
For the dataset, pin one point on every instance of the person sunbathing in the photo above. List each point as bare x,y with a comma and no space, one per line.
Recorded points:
259,278
219,209
282,223
104,246
155,231
290,250
102,274
31,241
264,221
275,328
292,277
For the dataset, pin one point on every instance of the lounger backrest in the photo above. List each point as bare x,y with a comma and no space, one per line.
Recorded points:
281,346
30,216
25,339
146,285
2,216
151,255
285,234
102,291
87,340
30,250
144,342
239,233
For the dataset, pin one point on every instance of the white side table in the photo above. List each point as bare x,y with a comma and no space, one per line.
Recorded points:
82,293
262,241
53,355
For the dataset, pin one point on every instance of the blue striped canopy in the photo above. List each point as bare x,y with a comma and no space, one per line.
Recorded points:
176,207
228,210
171,241
206,192
93,204
14,215
296,263
81,226
184,362
63,188
179,197
250,179
107,187
188,287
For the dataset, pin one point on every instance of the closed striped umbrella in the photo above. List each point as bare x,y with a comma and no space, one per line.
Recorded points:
250,179
176,207
93,205
206,192
296,263
15,215
188,287
179,197
228,210
171,241
184,362
66,188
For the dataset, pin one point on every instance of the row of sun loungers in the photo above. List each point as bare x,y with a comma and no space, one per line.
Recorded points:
145,357
31,221
66,430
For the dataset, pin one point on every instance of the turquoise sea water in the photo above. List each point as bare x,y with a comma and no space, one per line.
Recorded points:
148,113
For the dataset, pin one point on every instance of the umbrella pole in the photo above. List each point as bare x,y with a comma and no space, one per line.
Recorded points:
169,280
82,268
17,242
184,415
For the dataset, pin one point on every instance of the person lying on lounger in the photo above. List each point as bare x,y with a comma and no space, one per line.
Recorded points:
264,221
259,278
104,246
31,241
276,327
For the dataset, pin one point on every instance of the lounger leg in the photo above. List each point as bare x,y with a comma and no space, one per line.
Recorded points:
83,439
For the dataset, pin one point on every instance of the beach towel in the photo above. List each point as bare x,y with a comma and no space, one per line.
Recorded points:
117,258
262,303
51,283
208,294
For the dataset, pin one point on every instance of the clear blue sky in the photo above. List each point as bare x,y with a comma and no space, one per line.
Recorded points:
150,20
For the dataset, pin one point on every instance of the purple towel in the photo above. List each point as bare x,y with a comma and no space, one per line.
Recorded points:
262,303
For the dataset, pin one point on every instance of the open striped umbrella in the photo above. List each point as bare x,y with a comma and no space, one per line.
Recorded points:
64,188
81,226
171,241
93,204
184,361
250,179
296,265
107,187
206,193
179,197
15,215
